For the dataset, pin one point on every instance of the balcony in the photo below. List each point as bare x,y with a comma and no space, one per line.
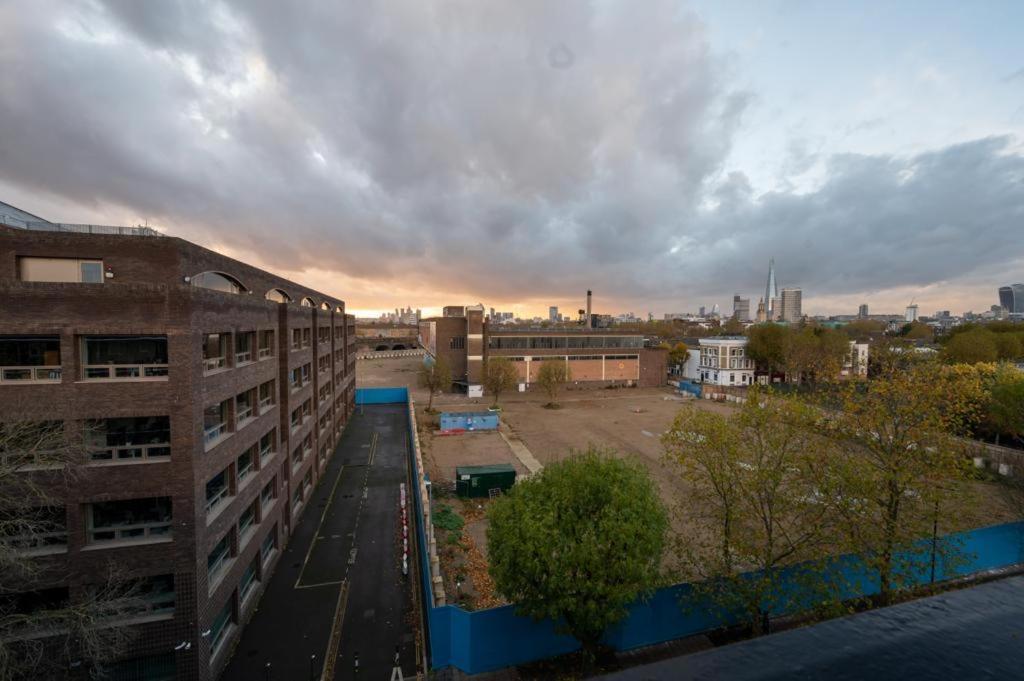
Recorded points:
29,360
125,358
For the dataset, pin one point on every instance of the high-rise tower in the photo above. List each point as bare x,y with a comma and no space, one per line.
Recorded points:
771,292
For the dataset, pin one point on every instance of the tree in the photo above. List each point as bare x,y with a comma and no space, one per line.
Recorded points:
678,354
499,375
755,498
731,327
767,346
1004,409
864,330
578,542
552,375
898,463
917,331
38,463
435,377
1008,346
971,347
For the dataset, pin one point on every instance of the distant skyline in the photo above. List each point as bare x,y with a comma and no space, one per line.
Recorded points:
517,154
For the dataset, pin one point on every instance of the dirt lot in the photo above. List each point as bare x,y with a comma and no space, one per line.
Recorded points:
627,420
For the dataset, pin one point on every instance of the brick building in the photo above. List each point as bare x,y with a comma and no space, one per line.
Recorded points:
595,357
210,395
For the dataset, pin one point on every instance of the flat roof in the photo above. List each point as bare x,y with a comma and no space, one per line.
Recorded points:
485,468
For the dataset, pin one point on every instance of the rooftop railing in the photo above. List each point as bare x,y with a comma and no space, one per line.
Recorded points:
42,226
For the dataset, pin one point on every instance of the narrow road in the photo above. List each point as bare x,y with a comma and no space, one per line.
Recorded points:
338,592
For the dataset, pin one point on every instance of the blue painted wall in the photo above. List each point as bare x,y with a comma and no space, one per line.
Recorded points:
469,420
687,387
382,396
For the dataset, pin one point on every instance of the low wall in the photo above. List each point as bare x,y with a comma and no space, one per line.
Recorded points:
465,420
487,640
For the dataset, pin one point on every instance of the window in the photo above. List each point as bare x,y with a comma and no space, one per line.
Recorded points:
218,490
33,444
68,270
42,530
215,351
325,391
157,595
457,343
216,421
133,519
215,281
323,335
296,339
307,302
269,544
296,419
307,337
244,346
296,456
245,404
278,296
125,357
249,580
267,496
266,395
246,522
297,499
220,627
26,358
323,363
307,482
307,444
266,339
125,440
268,443
217,559
245,465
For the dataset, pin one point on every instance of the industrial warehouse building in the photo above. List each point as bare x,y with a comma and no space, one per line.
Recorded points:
213,394
595,357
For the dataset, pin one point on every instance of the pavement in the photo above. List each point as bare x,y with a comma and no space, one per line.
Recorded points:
973,633
338,592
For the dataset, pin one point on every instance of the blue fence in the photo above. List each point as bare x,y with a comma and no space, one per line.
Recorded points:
688,387
469,420
487,640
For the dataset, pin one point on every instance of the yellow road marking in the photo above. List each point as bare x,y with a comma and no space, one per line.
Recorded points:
335,640
316,535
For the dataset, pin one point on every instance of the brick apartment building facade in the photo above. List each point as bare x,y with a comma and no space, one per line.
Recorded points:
595,357
211,395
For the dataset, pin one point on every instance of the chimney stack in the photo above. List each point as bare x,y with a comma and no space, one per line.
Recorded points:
589,323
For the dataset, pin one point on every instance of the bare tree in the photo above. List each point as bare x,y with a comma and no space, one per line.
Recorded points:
435,377
552,375
45,630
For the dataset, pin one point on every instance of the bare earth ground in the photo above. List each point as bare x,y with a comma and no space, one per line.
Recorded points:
629,421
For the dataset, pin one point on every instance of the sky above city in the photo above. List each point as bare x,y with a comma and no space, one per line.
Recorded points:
518,153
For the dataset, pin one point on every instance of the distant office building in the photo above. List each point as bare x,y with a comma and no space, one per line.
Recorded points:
862,311
701,311
1012,298
453,311
911,314
741,308
791,305
715,310
553,313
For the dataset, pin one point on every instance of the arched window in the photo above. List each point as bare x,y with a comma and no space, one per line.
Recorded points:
307,302
338,310
218,281
325,306
278,296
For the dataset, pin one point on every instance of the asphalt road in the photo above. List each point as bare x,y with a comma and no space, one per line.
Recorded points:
341,572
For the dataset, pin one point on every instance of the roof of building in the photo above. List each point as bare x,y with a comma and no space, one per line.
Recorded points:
968,634
12,216
7,211
485,469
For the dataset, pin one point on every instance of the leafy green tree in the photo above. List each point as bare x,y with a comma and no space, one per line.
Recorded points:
918,331
678,354
977,345
1008,346
499,375
754,502
553,374
767,346
731,327
899,463
578,542
864,330
1004,411
435,377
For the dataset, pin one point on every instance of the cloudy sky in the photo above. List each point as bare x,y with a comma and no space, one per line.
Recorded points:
517,153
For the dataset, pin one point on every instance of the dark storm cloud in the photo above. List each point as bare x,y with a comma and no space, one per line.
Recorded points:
546,146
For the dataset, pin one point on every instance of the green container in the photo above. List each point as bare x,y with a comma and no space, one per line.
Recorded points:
484,481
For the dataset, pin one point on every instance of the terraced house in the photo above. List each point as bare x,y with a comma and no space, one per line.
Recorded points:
209,395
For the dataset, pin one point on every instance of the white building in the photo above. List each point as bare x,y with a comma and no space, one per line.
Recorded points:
856,362
720,361
911,314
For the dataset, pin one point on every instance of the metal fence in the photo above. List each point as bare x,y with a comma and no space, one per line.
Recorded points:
42,226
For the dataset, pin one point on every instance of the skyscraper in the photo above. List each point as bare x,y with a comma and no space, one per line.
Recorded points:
741,308
791,304
1012,298
862,312
911,314
553,313
771,292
